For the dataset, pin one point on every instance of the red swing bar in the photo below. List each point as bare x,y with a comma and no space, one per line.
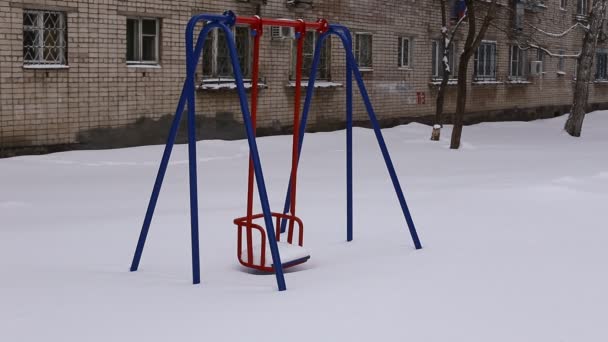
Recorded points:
257,24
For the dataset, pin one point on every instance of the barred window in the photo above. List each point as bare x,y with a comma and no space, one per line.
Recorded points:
582,7
601,68
310,42
363,50
404,52
44,38
142,41
216,56
437,59
561,62
517,62
485,62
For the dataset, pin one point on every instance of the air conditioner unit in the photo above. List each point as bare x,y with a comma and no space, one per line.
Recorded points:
536,68
279,33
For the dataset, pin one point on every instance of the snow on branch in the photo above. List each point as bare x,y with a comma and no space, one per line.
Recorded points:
559,35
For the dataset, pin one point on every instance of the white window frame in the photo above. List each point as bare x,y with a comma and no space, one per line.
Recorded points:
437,65
493,61
140,36
541,57
214,38
563,5
357,50
402,57
520,73
561,62
326,45
40,28
601,65
582,7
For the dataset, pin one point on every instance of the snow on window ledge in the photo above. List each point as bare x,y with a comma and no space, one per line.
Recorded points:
601,82
561,73
45,66
486,82
437,82
225,84
516,81
318,84
143,66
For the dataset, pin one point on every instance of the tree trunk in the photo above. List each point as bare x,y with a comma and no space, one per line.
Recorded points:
438,122
473,40
580,100
461,101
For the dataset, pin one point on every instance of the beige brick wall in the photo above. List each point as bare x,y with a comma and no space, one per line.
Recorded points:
99,90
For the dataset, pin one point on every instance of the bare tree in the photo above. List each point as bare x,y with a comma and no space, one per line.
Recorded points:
474,38
596,19
447,37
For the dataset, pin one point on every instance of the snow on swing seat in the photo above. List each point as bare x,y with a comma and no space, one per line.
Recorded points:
290,254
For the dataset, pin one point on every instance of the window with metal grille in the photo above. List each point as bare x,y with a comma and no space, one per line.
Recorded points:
404,53
485,62
582,7
437,59
216,56
601,68
44,38
517,62
363,50
143,40
310,42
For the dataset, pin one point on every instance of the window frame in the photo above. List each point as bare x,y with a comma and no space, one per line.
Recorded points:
582,7
140,36
563,5
357,50
326,45
214,75
521,75
437,50
601,69
401,55
39,28
561,61
493,60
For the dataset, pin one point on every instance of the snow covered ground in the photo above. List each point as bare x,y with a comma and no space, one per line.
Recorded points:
514,227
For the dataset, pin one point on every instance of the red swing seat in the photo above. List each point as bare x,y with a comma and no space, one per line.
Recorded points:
255,253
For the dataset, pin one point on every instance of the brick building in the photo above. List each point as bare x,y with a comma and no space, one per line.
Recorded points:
109,72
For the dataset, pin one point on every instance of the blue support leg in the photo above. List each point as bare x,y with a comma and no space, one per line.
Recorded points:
165,158
158,183
257,165
349,150
389,164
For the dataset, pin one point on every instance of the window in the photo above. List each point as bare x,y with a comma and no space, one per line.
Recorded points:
216,56
404,53
582,7
363,50
44,38
563,4
517,62
310,42
540,56
601,68
142,41
561,62
437,57
485,62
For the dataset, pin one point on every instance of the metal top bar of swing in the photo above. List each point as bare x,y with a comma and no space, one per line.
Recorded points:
319,25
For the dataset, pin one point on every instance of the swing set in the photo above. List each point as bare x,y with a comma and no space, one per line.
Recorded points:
284,238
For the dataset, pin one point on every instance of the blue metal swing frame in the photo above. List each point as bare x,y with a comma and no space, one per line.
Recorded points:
193,54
